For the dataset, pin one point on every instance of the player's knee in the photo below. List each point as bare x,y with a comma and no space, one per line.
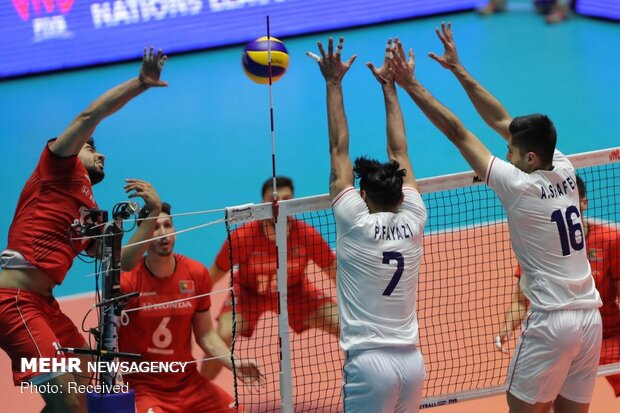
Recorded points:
64,403
327,318
72,405
225,334
244,329
335,321
210,369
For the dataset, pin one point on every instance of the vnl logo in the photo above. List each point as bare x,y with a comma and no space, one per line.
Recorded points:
47,17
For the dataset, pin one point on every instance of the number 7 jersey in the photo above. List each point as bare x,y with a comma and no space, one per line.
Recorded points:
546,233
379,258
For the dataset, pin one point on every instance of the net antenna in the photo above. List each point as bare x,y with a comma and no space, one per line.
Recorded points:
286,376
273,134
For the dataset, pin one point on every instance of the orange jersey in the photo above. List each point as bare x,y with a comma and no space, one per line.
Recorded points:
256,258
603,249
57,195
163,333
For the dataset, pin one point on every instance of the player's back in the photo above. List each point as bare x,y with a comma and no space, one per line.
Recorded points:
546,233
379,257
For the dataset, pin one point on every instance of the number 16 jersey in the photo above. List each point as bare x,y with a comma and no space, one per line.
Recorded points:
379,258
546,233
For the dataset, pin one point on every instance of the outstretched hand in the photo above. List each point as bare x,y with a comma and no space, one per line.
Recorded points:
449,59
402,69
330,63
249,372
152,65
384,74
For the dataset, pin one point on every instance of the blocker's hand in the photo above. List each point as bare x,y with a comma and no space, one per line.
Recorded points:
402,68
384,74
330,63
449,59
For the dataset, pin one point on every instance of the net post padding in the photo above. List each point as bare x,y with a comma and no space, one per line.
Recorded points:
286,374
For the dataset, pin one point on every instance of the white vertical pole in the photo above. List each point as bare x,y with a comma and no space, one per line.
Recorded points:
286,376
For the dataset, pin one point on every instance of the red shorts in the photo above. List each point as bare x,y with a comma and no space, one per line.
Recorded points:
32,326
610,353
304,299
194,394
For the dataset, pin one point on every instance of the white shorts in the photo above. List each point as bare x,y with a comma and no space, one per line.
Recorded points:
385,380
557,353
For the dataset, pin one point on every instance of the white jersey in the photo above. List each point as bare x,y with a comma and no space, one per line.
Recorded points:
379,257
547,233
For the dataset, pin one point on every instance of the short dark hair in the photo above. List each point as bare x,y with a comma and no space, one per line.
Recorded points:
281,182
383,182
144,212
534,133
581,186
91,142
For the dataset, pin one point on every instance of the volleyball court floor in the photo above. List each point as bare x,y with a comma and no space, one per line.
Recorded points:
460,303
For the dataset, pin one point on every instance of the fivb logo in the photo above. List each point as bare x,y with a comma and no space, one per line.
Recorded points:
38,7
46,22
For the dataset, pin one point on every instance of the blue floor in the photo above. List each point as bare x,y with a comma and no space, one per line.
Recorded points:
205,142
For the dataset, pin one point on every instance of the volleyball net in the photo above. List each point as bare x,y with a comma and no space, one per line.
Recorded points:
466,284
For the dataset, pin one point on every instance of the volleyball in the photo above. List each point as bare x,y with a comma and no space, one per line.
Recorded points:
255,60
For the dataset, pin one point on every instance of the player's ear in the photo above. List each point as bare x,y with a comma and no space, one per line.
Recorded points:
532,159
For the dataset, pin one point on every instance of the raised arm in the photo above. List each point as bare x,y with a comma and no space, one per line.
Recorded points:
488,107
474,152
396,136
333,70
132,254
72,139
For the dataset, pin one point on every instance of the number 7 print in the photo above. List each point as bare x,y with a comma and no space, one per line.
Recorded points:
400,266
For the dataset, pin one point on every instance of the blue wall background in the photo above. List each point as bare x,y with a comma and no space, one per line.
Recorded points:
205,142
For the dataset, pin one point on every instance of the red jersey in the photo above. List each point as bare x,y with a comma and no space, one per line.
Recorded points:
56,196
603,248
163,333
256,258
